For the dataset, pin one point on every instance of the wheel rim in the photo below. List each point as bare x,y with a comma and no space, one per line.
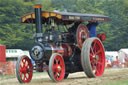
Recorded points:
58,68
82,34
97,58
25,69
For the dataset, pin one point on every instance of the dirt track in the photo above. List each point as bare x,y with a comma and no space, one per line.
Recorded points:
74,79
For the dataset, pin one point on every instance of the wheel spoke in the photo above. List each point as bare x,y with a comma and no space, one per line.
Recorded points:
98,67
23,61
99,63
91,60
91,55
97,71
56,61
92,50
24,77
93,65
54,67
55,74
21,70
26,64
99,51
21,66
94,47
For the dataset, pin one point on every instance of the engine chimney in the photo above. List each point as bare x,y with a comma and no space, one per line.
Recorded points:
38,22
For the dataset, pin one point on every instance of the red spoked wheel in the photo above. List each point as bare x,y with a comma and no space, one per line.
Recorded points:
93,57
24,69
56,67
81,34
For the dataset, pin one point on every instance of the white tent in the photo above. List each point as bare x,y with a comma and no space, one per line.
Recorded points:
123,54
112,54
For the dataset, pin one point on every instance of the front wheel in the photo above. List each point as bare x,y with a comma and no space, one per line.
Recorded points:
24,69
93,57
56,67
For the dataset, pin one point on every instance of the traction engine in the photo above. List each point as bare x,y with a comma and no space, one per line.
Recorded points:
65,45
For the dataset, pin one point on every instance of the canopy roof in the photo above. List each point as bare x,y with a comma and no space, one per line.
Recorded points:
65,17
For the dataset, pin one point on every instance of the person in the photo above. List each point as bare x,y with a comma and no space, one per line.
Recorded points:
117,61
111,59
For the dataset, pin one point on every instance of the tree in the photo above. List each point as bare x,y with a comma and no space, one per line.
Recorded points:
17,35
117,31
12,32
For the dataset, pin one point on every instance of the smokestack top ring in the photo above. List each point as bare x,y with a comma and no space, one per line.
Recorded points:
38,6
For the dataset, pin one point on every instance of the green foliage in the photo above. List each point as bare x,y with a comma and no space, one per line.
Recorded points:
119,82
17,35
117,31
12,32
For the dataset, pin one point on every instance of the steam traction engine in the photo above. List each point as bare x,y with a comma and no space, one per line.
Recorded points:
65,45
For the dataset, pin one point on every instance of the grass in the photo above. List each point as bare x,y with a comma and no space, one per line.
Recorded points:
119,82
7,76
39,73
13,76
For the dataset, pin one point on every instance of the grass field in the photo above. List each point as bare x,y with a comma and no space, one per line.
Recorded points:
7,76
110,77
119,82
14,76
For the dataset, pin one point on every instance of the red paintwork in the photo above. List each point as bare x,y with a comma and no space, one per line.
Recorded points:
65,50
102,36
58,73
25,65
2,53
97,58
3,65
82,32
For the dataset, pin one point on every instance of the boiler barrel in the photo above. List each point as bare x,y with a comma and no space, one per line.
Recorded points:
44,52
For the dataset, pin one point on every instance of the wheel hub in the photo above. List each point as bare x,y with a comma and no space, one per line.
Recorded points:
24,70
59,68
96,57
36,52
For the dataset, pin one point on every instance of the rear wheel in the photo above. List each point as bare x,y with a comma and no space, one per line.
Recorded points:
56,67
93,57
81,34
24,69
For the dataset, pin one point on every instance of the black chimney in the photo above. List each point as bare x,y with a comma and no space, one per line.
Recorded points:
38,22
